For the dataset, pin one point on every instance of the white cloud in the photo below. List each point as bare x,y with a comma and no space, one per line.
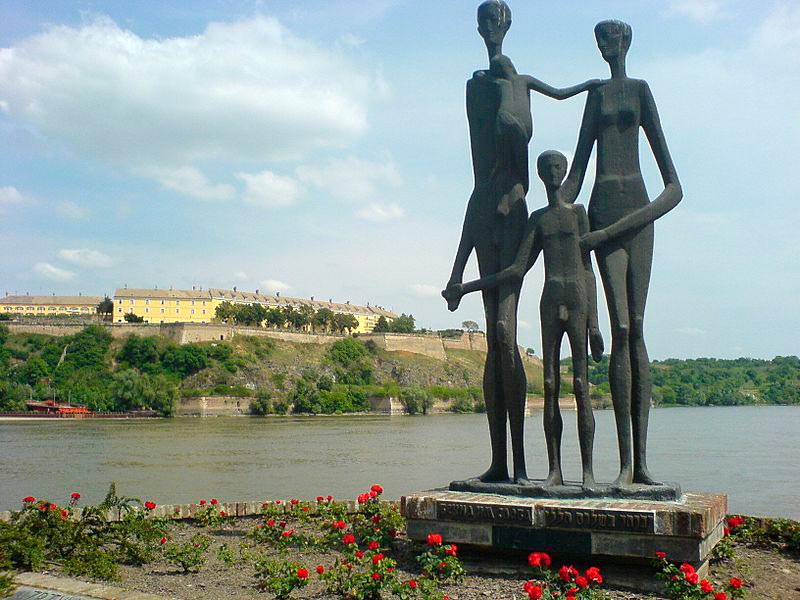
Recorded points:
269,189
241,276
424,290
249,89
189,181
380,213
9,195
86,258
53,273
71,210
273,285
352,179
702,11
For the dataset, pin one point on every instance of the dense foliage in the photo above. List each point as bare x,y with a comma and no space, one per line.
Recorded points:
301,318
716,382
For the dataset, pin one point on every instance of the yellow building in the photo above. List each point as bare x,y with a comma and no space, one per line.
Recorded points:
163,306
41,306
199,306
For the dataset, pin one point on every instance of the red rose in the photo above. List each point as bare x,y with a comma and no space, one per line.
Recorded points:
374,545
53,507
412,583
294,501
278,501
377,489
320,569
534,592
29,499
692,578
329,498
222,513
214,502
376,519
726,532
434,539
376,576
686,568
373,494
581,581
451,550
288,533
282,523
271,523
149,505
163,541
202,502
442,566
348,539
302,573
320,499
593,575
539,559
736,583
377,558
661,555
706,586
339,525
359,554
567,573
75,496
720,596
64,513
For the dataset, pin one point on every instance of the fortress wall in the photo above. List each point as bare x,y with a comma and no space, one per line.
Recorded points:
427,345
213,406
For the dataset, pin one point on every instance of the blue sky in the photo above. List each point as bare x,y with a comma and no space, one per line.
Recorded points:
321,148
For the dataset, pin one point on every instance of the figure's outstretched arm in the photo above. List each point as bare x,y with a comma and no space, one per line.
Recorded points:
666,200
583,150
560,93
526,256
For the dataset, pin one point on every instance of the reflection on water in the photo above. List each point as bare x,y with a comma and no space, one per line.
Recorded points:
750,453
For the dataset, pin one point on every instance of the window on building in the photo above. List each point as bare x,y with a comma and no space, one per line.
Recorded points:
177,311
192,311
177,302
192,302
162,302
147,310
204,311
162,312
40,308
119,310
147,301
130,301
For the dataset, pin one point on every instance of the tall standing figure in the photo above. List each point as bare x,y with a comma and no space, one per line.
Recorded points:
500,126
621,218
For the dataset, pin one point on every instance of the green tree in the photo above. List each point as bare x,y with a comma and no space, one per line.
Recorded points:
470,325
105,306
305,397
184,360
135,391
323,318
225,312
276,318
33,371
403,324
342,322
351,361
382,325
133,318
141,353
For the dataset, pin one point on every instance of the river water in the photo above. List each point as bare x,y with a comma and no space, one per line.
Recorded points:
750,453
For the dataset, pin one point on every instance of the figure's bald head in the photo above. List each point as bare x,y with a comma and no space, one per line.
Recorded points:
494,20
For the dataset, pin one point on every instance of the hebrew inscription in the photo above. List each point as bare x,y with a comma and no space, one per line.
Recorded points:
606,520
466,511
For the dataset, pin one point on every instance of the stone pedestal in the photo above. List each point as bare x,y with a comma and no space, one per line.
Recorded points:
614,532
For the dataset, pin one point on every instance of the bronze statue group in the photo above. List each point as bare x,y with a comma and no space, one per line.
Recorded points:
617,227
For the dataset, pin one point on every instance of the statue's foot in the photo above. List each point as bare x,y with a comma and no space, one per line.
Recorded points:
596,344
642,476
522,479
553,479
494,475
589,484
623,480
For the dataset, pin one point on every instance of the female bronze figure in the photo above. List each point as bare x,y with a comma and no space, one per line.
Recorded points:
621,219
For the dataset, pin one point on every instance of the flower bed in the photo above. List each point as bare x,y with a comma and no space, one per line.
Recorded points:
312,549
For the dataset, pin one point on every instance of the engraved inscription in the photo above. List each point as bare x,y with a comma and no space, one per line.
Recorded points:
466,511
575,518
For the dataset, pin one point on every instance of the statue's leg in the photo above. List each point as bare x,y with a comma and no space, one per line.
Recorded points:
576,331
596,344
641,260
493,394
552,333
613,262
513,376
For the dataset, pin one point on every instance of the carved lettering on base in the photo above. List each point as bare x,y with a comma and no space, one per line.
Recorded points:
606,520
484,513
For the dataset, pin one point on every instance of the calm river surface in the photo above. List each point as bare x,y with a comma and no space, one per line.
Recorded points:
750,453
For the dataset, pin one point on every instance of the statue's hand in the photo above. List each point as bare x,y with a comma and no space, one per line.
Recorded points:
453,294
592,240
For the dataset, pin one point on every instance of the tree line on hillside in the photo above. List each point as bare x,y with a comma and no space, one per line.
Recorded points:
304,318
715,382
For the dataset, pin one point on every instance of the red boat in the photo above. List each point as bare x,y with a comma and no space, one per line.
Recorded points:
51,407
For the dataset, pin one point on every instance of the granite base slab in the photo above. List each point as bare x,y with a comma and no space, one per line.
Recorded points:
663,492
624,534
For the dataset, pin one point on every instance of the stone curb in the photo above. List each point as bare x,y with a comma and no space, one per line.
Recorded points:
179,512
65,585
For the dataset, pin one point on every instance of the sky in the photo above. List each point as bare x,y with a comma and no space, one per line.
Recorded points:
320,148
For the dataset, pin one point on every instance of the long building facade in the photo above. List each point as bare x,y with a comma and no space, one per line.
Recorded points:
42,306
199,306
